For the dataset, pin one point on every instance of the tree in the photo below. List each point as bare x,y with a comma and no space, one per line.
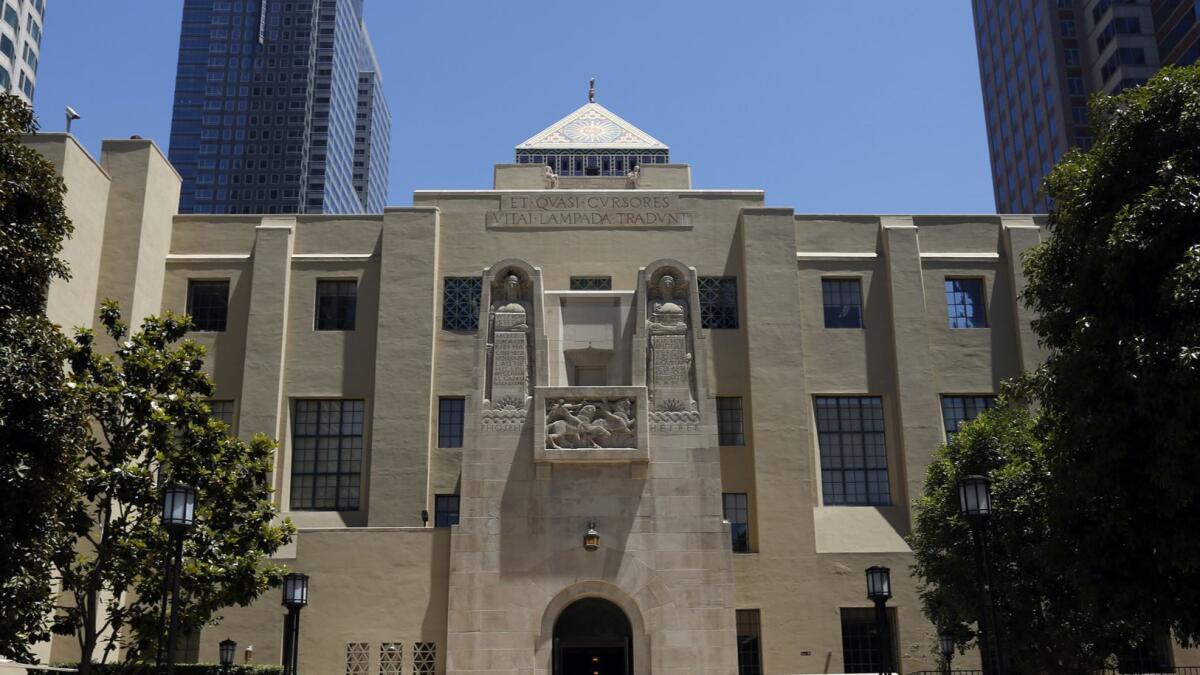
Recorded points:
151,426
1117,292
1037,615
41,418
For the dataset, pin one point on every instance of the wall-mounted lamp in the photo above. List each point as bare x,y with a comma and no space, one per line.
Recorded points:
591,540
424,518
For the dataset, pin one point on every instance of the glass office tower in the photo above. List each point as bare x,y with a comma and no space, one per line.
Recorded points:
279,108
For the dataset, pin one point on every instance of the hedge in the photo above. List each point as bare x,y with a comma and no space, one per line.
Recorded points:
180,669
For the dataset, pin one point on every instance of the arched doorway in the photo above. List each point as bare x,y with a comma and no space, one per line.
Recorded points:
593,636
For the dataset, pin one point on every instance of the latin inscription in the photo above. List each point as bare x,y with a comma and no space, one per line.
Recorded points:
588,210
669,360
509,360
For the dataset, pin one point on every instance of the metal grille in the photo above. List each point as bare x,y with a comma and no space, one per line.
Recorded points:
718,302
450,422
843,302
749,642
391,658
591,283
460,303
358,658
327,445
854,465
729,421
737,512
424,657
959,409
964,303
208,304
336,304
860,640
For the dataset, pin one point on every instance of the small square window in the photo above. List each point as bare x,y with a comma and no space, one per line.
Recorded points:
591,283
222,410
843,302
336,304
208,304
737,512
450,422
729,421
445,510
959,409
964,303
718,302
460,303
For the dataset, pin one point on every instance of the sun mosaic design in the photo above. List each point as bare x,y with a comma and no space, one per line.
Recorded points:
592,131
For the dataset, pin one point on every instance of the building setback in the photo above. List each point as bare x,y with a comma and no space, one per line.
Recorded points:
279,108
21,45
1040,61
739,400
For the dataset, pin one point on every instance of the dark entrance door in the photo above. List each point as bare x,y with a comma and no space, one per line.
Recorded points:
593,637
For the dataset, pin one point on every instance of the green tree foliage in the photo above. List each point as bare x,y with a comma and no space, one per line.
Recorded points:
41,418
1117,292
152,426
1037,615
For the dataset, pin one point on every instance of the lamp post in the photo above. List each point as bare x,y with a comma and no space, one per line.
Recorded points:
975,504
227,648
946,647
295,597
879,590
178,516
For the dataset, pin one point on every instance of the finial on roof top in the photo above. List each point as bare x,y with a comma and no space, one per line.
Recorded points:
592,90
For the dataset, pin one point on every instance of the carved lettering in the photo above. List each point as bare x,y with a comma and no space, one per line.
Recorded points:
588,210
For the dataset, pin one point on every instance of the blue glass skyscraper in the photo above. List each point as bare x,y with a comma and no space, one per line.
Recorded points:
279,108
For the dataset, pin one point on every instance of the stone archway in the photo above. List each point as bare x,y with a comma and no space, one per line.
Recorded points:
555,608
592,636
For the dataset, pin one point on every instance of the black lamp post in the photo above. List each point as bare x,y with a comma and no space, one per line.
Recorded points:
946,647
227,647
178,516
975,504
295,597
879,590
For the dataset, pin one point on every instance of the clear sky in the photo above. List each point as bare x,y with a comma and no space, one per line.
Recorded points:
831,106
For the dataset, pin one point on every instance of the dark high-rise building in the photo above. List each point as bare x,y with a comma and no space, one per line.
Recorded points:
279,108
1040,60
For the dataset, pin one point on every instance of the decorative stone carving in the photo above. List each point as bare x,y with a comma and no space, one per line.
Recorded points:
591,424
633,178
509,356
550,178
669,354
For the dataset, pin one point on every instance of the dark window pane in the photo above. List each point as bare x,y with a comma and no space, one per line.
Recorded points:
450,422
591,283
959,409
737,512
222,410
327,449
729,420
336,304
718,302
843,303
208,304
749,642
964,303
445,510
860,640
460,303
854,464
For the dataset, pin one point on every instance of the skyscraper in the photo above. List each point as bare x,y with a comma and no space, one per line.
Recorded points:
1040,60
20,45
279,108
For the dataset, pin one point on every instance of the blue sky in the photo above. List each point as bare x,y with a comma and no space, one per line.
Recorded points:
831,106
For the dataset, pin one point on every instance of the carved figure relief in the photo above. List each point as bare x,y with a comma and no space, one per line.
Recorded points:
509,355
669,352
591,424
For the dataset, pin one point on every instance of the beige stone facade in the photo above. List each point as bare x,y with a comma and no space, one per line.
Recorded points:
579,407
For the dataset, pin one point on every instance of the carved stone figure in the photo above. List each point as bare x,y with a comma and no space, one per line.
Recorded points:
509,356
634,177
667,314
551,178
587,424
669,367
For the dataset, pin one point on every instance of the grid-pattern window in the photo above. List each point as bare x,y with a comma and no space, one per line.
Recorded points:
460,303
208,304
358,658
391,658
718,302
327,447
424,658
450,422
964,303
336,304
222,410
445,510
860,640
729,421
959,409
749,642
854,466
737,512
843,302
591,283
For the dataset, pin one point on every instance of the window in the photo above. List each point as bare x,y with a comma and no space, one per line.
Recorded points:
7,47
964,303
336,301
450,422
327,446
854,465
959,409
11,17
445,510
424,658
843,302
208,304
718,302
223,411
591,283
737,512
860,640
460,303
729,421
749,642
